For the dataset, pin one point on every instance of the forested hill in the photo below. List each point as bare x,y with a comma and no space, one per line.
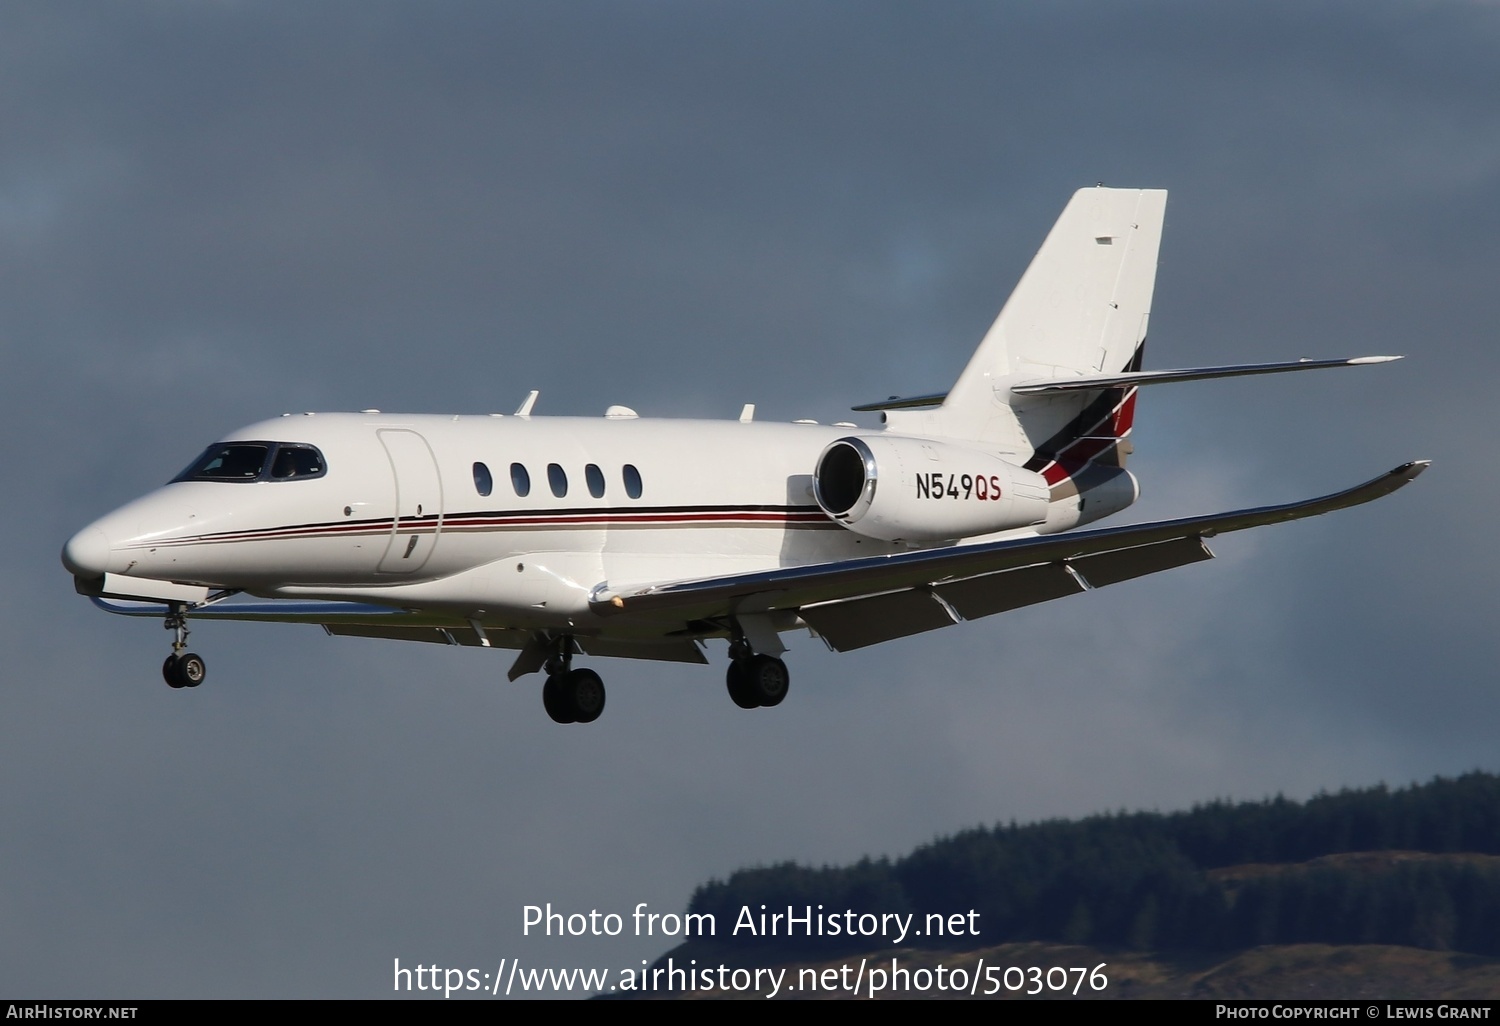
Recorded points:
1418,866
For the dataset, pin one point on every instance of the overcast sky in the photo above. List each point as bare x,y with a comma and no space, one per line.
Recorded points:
211,213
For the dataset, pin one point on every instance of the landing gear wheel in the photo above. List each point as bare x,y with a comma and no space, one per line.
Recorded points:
192,669
555,699
184,671
738,680
573,696
768,679
585,695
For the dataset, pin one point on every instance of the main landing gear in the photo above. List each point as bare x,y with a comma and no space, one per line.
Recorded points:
571,696
182,669
755,681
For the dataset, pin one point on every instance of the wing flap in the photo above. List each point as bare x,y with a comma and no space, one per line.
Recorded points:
855,623
667,650
1012,589
465,636
434,635
1113,567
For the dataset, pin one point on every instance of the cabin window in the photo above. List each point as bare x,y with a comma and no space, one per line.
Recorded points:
558,479
483,482
632,481
595,478
520,480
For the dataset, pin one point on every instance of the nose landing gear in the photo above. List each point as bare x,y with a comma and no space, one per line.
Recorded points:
182,669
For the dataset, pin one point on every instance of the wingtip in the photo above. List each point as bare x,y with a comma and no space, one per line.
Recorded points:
1412,469
1361,360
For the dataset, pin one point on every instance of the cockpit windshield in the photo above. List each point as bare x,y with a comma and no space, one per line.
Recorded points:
255,461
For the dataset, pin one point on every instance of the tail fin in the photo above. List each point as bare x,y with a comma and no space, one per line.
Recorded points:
1080,309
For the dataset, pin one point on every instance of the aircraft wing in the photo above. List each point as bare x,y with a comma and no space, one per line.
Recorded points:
367,620
858,602
355,619
850,604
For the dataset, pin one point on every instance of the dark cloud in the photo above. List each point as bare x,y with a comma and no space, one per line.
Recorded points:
214,213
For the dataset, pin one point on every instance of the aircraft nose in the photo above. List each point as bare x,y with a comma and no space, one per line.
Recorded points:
87,553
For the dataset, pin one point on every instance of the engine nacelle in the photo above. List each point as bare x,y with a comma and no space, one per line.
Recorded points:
1096,492
917,490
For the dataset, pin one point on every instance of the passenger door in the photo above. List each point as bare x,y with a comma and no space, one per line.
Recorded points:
419,502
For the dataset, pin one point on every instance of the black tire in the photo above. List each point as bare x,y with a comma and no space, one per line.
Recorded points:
738,680
769,679
191,669
169,672
555,700
585,692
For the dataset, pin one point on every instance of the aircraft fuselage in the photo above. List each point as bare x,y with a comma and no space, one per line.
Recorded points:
398,512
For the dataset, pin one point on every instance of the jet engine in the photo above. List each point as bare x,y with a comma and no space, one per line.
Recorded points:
917,490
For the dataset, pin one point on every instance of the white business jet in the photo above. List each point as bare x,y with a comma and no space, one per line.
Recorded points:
623,536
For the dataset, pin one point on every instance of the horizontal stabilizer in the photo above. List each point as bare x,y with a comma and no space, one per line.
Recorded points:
1094,382
896,402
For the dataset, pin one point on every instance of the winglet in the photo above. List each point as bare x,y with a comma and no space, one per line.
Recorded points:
524,410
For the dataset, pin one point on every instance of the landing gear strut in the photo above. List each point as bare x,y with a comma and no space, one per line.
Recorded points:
182,669
755,681
571,696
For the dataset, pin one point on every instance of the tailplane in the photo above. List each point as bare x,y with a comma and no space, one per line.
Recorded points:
1080,311
1052,386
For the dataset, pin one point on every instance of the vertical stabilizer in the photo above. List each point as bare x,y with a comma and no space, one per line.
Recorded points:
1081,308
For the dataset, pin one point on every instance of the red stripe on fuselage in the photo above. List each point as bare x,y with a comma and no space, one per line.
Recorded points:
471,522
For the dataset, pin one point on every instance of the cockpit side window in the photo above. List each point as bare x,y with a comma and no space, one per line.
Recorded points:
256,461
296,461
